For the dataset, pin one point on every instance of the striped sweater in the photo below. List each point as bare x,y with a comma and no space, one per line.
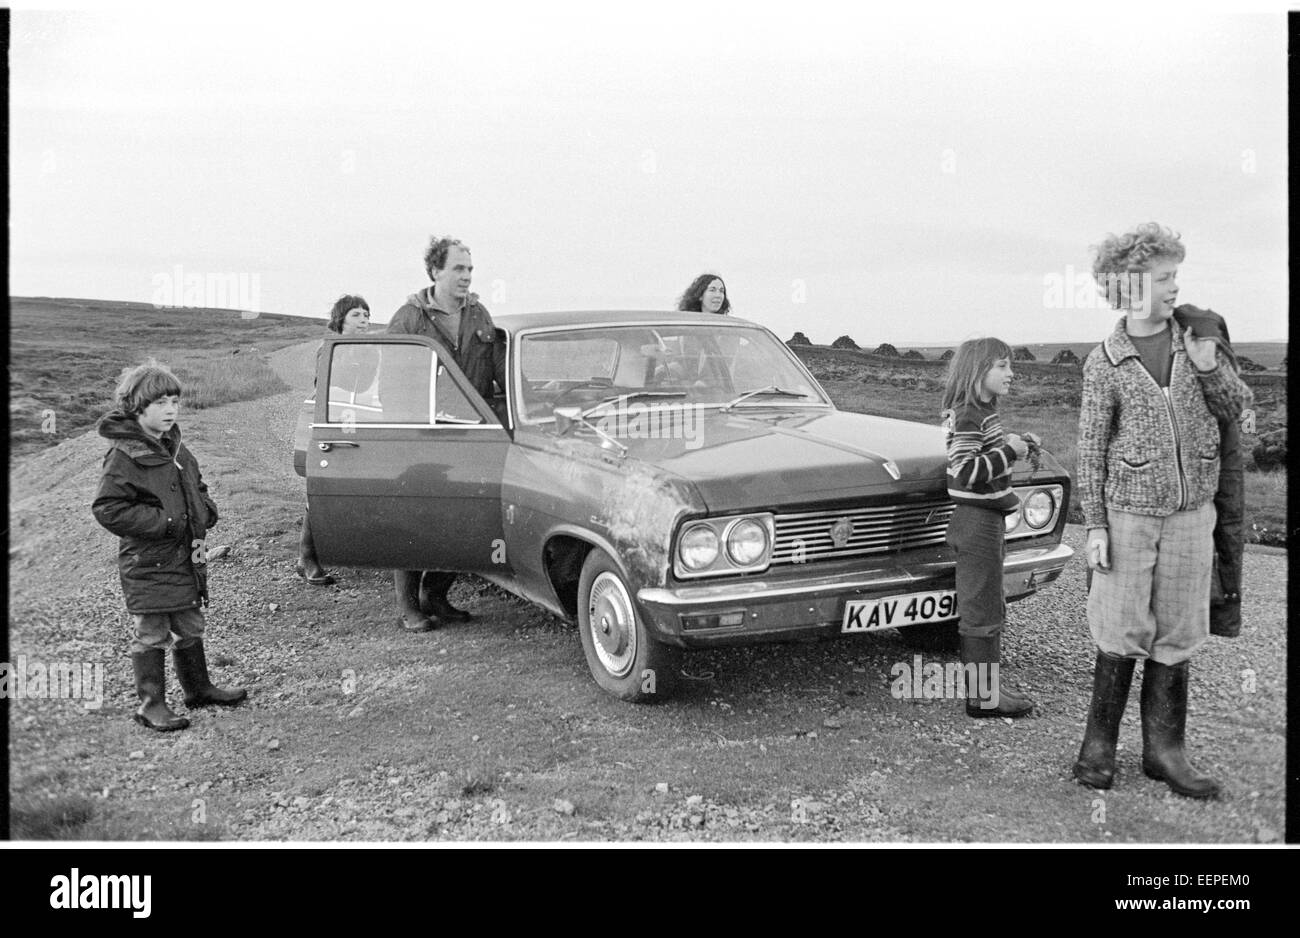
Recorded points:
979,458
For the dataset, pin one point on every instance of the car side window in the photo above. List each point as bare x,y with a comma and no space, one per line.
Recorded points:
353,370
380,384
451,404
394,384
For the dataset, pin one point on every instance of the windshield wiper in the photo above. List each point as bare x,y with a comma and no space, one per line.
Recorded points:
770,389
566,417
629,396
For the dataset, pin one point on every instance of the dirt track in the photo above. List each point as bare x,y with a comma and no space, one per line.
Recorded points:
494,730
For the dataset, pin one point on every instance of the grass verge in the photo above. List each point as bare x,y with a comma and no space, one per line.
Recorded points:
209,382
65,357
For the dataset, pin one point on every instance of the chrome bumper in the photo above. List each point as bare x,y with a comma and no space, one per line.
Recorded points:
781,608
1022,565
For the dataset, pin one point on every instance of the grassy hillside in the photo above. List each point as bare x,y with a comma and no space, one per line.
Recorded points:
65,356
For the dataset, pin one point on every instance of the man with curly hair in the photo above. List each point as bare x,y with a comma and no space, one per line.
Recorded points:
1153,397
452,316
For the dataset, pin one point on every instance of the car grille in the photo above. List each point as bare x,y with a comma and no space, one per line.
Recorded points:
805,537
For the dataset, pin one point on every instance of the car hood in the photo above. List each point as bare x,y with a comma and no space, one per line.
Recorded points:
774,457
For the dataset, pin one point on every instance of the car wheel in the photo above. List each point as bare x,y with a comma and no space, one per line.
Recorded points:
932,636
623,657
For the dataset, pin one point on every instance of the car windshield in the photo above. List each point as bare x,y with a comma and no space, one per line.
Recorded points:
697,364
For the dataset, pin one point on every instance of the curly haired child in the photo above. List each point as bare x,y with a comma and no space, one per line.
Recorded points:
1153,396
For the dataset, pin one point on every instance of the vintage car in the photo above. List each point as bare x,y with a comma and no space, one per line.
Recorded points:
667,481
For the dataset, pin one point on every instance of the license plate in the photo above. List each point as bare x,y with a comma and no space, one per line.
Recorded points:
868,615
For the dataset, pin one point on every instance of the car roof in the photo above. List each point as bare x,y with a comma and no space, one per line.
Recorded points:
515,322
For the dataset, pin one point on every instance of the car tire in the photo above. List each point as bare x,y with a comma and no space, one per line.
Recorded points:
932,636
623,657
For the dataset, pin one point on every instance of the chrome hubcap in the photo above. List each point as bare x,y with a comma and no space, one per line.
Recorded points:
612,621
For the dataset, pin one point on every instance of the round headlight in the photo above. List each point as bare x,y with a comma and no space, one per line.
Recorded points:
746,542
1039,508
1012,519
698,547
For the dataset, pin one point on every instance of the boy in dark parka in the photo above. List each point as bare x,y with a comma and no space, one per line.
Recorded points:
152,496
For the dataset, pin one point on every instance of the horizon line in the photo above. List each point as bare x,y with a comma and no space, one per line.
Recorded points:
826,345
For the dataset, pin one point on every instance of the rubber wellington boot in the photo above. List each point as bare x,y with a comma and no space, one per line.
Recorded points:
406,586
1111,678
192,672
1164,727
151,685
985,652
433,597
309,567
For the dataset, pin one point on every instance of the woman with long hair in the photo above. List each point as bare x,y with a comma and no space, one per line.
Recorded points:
706,294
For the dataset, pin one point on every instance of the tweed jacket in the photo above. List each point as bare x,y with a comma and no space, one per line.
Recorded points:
1146,449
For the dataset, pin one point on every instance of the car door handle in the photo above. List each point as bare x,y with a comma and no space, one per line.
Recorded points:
326,445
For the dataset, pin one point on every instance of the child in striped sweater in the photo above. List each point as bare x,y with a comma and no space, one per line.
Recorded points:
980,456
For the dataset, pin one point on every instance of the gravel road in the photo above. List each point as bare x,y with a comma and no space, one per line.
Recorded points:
494,731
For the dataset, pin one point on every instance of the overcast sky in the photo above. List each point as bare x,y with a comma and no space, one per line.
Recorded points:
920,178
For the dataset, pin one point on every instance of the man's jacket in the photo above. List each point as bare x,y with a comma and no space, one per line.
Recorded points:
479,350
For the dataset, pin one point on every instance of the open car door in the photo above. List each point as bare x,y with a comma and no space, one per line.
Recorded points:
405,459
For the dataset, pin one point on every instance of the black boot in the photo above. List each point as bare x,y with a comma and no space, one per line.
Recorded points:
406,586
1164,727
151,685
1111,679
309,567
433,597
192,672
986,652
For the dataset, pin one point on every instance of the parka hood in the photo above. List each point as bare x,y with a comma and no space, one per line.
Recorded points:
126,431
